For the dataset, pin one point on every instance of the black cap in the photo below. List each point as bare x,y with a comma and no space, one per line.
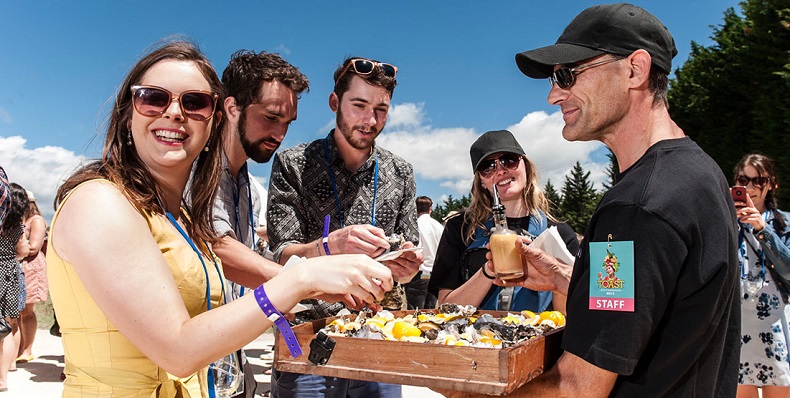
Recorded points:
493,142
618,29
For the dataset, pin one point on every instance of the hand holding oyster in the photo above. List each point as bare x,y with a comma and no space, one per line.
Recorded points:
396,242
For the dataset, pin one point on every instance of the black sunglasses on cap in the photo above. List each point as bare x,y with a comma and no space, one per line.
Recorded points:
154,101
488,166
565,77
362,66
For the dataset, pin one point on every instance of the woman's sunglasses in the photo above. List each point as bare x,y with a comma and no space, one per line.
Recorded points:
488,166
758,181
363,67
154,101
565,77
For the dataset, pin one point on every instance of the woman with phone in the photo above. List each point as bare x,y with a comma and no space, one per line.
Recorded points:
764,239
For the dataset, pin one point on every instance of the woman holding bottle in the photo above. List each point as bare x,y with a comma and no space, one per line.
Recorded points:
459,275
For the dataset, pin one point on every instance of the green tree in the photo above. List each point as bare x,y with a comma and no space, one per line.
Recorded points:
731,97
579,198
450,204
555,200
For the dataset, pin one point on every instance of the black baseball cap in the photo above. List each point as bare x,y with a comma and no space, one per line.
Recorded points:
492,142
618,29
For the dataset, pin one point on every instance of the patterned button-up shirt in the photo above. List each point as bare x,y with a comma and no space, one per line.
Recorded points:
301,194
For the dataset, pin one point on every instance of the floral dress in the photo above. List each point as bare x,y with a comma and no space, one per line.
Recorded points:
765,330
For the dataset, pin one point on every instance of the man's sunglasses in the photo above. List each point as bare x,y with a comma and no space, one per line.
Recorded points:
488,166
758,181
363,67
565,77
154,101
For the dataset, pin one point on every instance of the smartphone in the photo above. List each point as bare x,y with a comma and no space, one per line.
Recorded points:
738,194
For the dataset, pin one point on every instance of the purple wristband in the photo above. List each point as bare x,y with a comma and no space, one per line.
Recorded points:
325,239
279,320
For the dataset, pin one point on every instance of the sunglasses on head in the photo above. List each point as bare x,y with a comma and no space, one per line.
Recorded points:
565,77
363,67
488,166
154,101
758,181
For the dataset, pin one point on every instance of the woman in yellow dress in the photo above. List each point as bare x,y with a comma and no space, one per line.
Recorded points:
134,282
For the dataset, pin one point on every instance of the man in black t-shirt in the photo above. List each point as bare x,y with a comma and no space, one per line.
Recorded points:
653,304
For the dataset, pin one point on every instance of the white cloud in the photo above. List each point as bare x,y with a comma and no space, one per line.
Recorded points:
540,134
40,170
407,114
441,155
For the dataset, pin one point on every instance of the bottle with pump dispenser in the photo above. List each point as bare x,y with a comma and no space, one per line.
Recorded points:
506,260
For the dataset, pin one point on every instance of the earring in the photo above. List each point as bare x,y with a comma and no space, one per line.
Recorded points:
205,149
129,139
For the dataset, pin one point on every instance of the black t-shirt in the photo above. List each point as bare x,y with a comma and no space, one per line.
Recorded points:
448,270
683,337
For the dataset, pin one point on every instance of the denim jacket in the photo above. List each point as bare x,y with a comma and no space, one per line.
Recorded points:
776,247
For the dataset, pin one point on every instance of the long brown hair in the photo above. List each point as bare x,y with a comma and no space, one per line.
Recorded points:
121,165
765,167
480,206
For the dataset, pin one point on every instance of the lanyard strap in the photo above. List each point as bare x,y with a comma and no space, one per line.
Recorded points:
211,391
200,257
238,213
236,204
340,215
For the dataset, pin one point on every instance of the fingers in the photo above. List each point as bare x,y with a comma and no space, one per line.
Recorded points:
401,269
360,239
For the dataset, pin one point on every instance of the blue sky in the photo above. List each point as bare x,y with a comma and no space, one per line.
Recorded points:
62,62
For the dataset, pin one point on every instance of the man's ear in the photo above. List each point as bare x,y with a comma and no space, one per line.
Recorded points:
640,63
231,110
334,102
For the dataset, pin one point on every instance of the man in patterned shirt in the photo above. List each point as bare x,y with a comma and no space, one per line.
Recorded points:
343,194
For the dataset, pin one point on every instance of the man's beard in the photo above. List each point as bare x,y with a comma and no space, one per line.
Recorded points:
348,132
253,149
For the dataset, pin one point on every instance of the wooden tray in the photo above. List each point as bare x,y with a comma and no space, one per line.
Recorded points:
481,370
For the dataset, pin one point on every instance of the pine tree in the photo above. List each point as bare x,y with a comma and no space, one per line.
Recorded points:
450,204
555,200
611,171
579,198
731,97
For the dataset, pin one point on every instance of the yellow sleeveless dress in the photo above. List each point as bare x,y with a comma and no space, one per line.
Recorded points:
100,361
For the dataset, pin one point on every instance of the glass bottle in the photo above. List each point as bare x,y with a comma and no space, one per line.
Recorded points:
506,260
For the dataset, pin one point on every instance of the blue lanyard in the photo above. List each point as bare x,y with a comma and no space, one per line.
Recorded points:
236,204
211,392
340,216
238,213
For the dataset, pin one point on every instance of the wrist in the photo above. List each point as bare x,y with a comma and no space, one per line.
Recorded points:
325,245
276,317
485,274
562,280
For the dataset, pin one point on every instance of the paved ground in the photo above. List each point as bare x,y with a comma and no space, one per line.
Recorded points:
41,377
